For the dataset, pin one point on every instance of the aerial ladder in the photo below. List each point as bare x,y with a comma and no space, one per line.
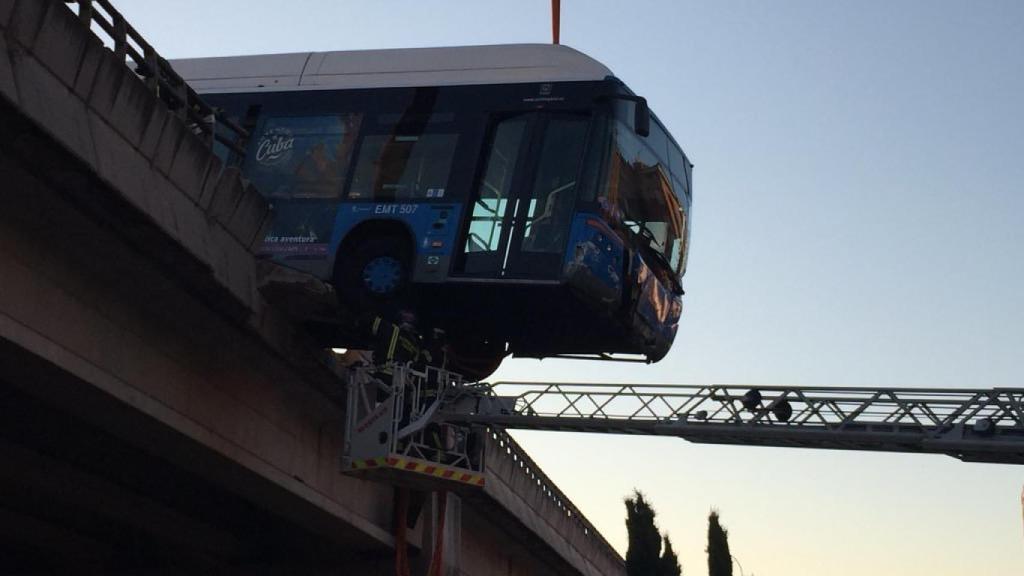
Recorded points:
424,428
430,422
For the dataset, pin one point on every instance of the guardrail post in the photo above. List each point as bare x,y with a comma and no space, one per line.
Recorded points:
120,38
152,70
211,123
158,76
181,94
85,12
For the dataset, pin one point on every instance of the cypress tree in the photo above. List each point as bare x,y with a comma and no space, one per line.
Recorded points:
719,558
668,564
644,539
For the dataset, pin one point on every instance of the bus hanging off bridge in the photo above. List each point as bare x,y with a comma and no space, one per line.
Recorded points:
519,197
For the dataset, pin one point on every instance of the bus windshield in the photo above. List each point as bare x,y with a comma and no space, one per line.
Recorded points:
642,190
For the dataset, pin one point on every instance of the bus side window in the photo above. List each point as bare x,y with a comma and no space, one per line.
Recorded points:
299,164
301,156
407,155
403,166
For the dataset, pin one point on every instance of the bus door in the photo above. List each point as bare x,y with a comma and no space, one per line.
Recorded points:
525,196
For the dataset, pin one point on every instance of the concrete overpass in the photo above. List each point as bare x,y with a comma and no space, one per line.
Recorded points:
156,414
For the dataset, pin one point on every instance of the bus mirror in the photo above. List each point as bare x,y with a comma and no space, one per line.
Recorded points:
641,113
642,119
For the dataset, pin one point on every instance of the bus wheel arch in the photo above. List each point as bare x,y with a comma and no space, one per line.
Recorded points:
373,267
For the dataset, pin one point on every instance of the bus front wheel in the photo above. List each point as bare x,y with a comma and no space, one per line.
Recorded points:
375,275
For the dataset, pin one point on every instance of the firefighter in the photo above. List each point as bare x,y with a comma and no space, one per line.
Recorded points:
437,348
435,356
437,437
395,343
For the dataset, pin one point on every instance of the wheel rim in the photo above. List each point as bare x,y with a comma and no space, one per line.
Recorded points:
382,275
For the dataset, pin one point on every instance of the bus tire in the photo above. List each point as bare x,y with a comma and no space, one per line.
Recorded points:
475,360
375,275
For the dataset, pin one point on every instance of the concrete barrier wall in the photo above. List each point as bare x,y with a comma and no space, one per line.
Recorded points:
155,351
59,74
174,329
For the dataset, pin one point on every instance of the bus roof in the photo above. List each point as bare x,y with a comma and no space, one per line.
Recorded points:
407,67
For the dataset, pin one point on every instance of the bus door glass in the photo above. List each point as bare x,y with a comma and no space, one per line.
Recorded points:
525,199
546,206
490,217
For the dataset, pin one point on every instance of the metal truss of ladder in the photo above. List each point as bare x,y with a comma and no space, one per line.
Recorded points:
969,424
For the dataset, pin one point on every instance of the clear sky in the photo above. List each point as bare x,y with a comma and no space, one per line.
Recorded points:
858,220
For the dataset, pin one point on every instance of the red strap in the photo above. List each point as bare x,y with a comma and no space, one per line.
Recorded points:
437,562
401,549
556,10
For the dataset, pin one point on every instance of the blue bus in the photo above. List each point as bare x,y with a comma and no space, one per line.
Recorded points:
520,197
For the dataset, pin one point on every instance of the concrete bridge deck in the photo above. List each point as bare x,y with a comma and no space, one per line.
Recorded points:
156,415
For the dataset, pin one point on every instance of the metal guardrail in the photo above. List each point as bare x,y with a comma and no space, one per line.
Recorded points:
546,485
158,75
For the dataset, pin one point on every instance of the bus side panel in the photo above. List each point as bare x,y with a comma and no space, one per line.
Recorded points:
434,228
594,262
